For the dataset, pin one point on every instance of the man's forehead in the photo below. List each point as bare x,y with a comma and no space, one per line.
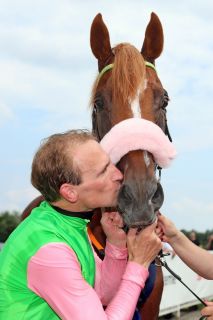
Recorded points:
89,156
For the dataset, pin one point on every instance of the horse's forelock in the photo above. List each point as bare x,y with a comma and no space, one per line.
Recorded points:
128,73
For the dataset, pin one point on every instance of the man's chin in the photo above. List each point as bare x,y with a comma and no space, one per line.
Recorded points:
112,205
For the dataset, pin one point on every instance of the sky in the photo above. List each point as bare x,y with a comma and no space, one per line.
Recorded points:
46,75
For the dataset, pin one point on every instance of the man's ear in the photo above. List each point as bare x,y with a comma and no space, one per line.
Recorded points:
69,192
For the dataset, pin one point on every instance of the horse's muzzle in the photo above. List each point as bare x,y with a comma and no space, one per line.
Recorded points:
139,212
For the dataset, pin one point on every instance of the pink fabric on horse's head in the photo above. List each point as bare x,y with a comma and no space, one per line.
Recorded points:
138,134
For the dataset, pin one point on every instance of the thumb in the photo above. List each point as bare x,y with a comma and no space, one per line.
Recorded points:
150,228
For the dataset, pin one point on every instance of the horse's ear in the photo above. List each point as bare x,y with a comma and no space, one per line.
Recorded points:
153,42
100,40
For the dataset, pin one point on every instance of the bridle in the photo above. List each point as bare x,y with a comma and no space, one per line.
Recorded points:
160,257
161,262
163,109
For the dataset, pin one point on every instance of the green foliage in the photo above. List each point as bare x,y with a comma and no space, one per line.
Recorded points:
202,237
8,222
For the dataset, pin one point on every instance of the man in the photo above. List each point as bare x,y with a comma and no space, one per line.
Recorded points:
48,269
198,259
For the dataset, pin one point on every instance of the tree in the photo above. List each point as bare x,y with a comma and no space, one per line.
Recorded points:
8,222
201,236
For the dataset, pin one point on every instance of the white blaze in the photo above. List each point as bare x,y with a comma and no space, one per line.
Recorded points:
146,158
135,107
136,112
135,104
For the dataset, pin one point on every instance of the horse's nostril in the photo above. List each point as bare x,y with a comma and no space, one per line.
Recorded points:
158,197
125,194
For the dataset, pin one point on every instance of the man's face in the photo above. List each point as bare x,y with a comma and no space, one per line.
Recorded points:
101,180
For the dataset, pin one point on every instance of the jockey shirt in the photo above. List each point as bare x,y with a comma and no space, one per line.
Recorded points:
43,226
48,270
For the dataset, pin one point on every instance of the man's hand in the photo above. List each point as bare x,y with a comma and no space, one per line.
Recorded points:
112,224
208,311
166,230
144,246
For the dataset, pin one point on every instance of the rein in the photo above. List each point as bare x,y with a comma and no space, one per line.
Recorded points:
163,263
95,243
166,131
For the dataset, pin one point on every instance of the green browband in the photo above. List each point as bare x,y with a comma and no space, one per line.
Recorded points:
110,66
151,65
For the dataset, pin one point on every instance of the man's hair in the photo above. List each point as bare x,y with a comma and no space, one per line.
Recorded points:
53,163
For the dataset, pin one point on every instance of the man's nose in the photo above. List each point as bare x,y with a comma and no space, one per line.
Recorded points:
117,174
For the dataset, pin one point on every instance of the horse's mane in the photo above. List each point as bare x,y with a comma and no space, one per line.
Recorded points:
128,73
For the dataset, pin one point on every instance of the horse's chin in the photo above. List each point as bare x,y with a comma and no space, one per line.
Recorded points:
132,220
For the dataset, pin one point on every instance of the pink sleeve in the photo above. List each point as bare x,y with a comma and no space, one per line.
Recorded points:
54,274
114,262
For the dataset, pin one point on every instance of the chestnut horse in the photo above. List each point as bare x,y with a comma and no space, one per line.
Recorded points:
128,86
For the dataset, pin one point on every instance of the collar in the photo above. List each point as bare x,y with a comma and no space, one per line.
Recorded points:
82,215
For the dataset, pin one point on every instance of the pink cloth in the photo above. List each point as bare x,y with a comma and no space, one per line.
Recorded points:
138,134
54,274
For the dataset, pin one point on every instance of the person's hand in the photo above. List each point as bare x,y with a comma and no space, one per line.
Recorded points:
112,224
144,246
166,229
208,311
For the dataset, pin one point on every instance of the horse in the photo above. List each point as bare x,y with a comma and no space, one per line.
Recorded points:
128,86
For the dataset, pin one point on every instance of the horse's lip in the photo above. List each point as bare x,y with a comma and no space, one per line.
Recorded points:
142,224
138,224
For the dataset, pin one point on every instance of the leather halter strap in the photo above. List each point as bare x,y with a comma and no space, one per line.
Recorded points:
93,239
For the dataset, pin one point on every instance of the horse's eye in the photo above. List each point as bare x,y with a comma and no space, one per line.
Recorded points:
165,99
98,104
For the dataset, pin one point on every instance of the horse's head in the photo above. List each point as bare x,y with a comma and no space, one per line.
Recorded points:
128,87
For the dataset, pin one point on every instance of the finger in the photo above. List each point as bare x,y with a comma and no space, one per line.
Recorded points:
131,235
118,218
109,216
161,218
106,219
150,228
132,232
105,215
115,219
158,229
207,311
